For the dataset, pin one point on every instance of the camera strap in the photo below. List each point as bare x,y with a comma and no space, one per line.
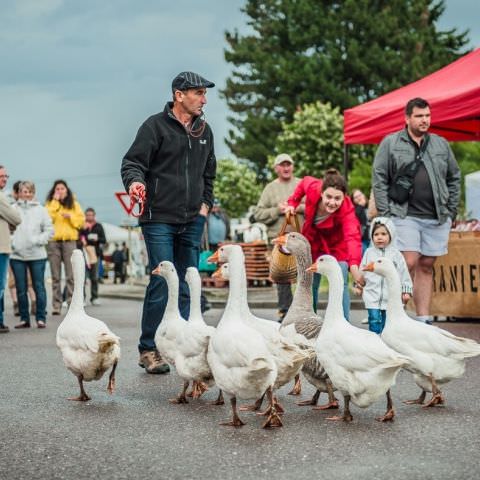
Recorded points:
410,170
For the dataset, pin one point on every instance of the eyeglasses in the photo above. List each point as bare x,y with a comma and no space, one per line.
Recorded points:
4,176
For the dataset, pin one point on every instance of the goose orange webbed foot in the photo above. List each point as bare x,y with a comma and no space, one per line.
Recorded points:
437,399
297,387
235,421
219,400
388,417
328,406
273,420
346,418
83,397
417,401
253,408
312,401
181,399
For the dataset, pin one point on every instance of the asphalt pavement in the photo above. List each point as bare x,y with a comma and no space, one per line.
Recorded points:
137,434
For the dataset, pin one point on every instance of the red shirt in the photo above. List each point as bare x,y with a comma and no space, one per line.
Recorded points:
339,234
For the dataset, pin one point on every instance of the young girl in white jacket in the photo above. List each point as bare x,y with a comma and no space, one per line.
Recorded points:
375,292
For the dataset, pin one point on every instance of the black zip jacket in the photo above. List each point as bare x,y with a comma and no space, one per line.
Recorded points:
101,239
177,168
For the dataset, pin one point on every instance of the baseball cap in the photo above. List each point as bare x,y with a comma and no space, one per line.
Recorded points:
283,157
187,80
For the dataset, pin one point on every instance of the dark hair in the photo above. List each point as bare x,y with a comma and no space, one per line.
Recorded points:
68,200
333,178
377,225
16,186
415,102
90,209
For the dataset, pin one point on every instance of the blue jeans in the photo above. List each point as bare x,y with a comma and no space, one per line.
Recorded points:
37,272
3,279
179,244
376,319
346,294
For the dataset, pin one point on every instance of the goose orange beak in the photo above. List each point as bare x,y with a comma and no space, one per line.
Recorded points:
217,273
213,258
156,271
368,268
312,268
280,240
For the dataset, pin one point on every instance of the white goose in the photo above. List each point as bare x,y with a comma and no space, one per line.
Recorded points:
89,348
200,371
437,356
241,362
302,325
183,344
288,357
357,361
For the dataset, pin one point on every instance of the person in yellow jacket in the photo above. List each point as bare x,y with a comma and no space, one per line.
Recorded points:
67,218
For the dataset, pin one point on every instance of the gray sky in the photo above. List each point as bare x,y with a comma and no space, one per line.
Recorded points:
79,77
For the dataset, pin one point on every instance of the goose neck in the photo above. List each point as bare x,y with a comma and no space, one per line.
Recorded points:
237,293
78,267
394,304
195,305
335,294
171,310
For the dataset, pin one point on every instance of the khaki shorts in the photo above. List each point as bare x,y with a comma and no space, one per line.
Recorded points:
422,235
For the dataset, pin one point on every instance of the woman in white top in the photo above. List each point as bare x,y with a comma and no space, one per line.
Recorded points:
29,253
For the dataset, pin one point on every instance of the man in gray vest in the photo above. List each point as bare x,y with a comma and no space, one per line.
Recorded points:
416,181
270,210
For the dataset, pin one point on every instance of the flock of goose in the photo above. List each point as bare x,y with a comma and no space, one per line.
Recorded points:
248,357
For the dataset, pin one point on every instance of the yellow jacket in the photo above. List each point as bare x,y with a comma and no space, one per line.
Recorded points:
65,228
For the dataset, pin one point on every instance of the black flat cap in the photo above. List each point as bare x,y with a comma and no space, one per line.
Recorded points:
186,80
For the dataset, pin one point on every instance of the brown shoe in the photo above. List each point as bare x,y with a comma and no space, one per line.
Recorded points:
152,362
4,329
22,325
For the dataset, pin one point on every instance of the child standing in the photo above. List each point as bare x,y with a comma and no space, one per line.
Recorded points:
375,292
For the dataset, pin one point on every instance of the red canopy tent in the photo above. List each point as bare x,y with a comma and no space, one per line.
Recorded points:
453,93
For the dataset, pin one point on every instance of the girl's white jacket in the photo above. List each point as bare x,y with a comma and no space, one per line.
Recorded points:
31,236
375,291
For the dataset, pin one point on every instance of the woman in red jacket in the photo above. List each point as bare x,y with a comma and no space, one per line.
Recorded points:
330,226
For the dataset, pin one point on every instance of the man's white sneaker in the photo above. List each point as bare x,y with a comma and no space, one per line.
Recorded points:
96,302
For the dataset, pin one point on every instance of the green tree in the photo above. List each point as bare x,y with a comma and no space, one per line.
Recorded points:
348,52
314,139
236,187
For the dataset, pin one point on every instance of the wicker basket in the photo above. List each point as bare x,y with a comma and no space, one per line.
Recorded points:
283,266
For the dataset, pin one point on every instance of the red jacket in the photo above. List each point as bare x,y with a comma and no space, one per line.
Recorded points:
338,235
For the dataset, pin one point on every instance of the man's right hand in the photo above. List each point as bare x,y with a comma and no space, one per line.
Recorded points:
137,189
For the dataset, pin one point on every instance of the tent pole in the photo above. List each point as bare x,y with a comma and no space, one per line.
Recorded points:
345,161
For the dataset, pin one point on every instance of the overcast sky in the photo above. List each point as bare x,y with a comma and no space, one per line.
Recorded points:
79,77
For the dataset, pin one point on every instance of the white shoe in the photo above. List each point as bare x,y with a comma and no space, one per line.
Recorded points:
364,321
96,302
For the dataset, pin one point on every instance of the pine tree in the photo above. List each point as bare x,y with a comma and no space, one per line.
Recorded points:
342,52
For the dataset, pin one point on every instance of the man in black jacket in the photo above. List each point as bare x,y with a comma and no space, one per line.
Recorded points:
172,163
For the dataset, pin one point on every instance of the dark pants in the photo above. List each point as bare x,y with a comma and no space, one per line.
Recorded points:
119,272
37,271
285,297
179,244
92,275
